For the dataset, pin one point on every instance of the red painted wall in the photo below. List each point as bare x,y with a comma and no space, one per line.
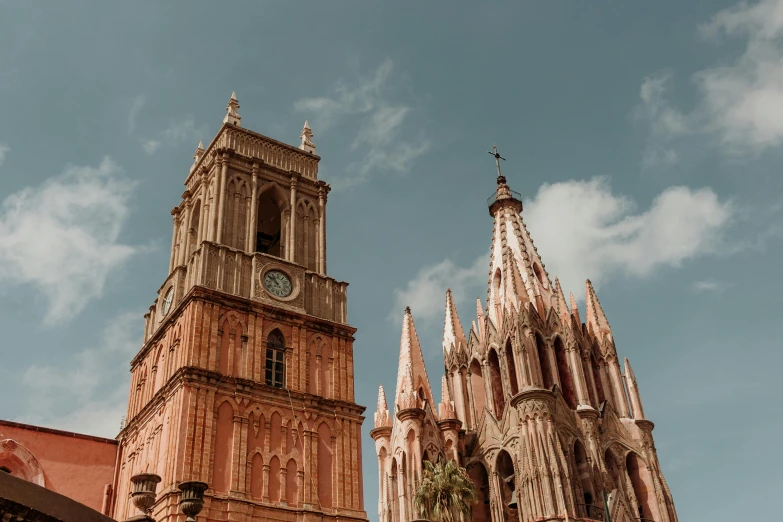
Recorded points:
74,465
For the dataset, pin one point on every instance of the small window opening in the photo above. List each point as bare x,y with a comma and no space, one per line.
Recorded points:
275,366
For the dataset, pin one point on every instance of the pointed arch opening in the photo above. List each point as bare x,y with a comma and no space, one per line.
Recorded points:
512,368
637,472
481,510
543,362
496,384
274,479
269,229
393,503
599,386
275,362
193,229
477,387
564,372
589,506
507,477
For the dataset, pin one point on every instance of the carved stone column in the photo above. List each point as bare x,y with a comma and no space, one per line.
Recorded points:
292,235
222,196
617,383
582,396
322,230
202,218
253,225
173,258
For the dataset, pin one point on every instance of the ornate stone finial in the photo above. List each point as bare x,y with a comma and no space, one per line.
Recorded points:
407,310
307,144
232,115
197,155
382,418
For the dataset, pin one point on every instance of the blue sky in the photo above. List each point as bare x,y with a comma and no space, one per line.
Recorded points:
645,138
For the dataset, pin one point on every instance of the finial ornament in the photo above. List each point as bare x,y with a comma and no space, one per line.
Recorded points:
232,116
307,144
498,157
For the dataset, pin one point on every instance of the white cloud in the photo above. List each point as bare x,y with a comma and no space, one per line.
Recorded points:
665,122
178,132
426,292
709,286
739,102
4,150
138,104
378,124
744,100
62,237
89,394
150,146
583,230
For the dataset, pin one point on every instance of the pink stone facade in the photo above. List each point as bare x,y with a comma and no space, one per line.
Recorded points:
78,466
533,404
245,380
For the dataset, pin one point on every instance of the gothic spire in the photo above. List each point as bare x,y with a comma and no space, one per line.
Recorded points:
446,406
232,116
307,144
560,303
382,417
513,244
574,308
633,392
480,319
453,334
411,366
595,318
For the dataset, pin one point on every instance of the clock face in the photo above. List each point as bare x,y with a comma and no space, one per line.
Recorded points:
167,301
277,283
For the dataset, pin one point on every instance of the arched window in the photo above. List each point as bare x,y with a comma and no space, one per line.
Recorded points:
583,470
268,233
275,349
477,385
637,472
496,384
543,361
512,368
481,511
508,497
564,371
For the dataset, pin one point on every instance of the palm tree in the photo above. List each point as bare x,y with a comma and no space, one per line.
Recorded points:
445,492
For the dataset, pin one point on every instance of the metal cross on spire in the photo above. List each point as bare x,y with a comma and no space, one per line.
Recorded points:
498,157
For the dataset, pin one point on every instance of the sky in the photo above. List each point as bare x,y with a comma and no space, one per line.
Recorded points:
645,138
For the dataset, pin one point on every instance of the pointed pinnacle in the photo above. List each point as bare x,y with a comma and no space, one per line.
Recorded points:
594,312
306,125
234,95
629,371
382,399
574,308
453,334
445,395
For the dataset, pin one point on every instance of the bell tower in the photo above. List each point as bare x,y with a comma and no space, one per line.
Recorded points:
245,379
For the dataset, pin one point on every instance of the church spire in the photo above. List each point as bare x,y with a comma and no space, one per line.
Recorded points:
633,392
453,334
446,406
512,245
232,116
574,308
307,144
596,320
382,418
411,371
562,308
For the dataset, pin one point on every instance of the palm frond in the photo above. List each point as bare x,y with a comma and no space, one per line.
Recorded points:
445,492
